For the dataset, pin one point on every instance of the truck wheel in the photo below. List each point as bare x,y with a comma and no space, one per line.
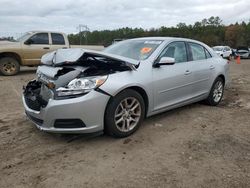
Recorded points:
9,66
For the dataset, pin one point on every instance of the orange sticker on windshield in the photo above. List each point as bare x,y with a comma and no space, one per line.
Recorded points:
145,50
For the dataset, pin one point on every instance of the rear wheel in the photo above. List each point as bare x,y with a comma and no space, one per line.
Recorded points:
216,92
9,66
124,114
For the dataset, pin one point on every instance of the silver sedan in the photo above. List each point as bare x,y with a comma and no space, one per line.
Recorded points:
83,91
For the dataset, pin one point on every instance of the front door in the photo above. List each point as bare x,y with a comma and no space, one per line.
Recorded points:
35,47
172,83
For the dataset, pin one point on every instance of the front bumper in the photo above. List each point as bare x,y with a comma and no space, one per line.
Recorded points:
89,108
243,55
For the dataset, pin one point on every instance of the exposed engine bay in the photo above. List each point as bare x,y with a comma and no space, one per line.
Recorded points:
70,78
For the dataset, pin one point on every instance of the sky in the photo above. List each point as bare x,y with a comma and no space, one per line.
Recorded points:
19,16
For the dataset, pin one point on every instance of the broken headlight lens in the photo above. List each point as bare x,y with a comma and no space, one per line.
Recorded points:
80,86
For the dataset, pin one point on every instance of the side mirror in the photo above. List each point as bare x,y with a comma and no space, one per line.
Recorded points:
28,42
165,61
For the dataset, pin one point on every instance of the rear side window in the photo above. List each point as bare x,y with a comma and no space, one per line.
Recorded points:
57,39
175,50
197,51
39,38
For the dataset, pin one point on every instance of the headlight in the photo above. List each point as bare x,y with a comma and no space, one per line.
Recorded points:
80,86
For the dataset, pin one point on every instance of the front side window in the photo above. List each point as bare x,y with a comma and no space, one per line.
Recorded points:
197,51
57,39
39,38
176,50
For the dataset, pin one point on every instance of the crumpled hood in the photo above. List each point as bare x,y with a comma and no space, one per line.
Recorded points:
66,56
47,74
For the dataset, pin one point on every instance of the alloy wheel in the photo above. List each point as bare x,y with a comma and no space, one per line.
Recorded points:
127,114
218,91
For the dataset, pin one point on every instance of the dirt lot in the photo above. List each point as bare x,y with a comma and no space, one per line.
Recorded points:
193,146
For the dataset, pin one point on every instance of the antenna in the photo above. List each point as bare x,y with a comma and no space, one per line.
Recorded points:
83,30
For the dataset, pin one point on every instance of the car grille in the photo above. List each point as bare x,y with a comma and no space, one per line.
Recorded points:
32,96
242,53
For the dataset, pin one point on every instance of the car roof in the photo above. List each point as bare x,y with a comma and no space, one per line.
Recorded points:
219,46
44,31
163,38
169,39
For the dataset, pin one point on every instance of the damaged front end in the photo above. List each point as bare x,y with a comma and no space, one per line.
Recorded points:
70,73
32,96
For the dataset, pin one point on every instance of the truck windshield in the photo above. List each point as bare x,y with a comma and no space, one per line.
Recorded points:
135,49
23,37
218,48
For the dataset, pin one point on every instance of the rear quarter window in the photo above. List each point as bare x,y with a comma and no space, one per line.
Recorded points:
208,55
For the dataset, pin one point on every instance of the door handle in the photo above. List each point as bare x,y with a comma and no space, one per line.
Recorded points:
187,72
64,48
212,67
46,48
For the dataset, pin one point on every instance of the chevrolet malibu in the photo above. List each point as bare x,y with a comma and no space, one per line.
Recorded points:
84,91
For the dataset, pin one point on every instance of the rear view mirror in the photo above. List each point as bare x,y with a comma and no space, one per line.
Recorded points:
28,42
165,61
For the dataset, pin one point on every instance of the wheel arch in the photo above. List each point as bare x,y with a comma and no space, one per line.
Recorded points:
144,95
222,77
11,54
138,89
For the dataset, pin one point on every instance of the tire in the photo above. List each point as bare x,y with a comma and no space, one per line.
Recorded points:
216,93
9,66
118,115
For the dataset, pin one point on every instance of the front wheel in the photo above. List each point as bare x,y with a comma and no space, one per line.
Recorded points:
216,92
9,66
124,114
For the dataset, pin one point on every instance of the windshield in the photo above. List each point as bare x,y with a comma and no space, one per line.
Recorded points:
217,48
23,37
134,49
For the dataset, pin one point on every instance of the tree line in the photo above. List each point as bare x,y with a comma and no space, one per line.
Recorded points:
210,31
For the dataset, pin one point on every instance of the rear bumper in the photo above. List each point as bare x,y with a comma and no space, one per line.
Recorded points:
88,109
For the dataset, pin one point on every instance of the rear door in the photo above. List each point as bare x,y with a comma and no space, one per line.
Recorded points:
37,46
202,67
171,83
58,41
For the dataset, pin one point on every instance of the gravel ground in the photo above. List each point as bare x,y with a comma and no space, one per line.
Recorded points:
193,146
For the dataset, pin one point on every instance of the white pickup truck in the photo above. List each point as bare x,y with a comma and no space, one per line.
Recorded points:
28,49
